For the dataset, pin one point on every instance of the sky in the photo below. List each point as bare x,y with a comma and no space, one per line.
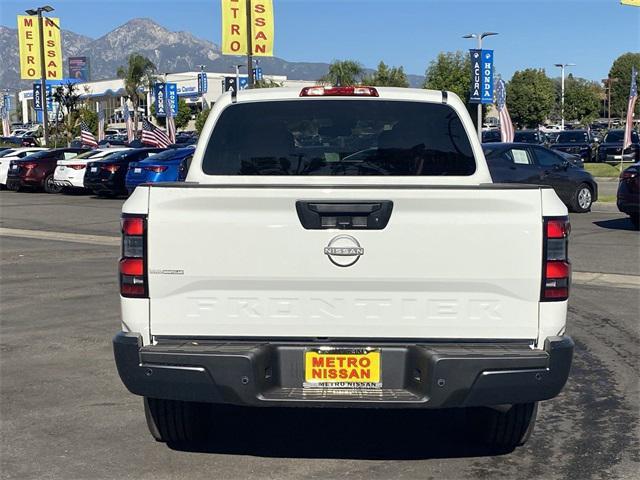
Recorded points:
589,33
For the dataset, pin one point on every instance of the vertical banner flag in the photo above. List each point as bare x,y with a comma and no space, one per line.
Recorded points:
100,123
506,126
79,68
234,27
128,122
37,96
29,47
476,76
633,96
487,76
203,83
159,93
171,92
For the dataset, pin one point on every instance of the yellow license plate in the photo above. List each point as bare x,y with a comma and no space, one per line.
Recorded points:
342,368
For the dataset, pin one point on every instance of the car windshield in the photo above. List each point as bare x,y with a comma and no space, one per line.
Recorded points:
525,137
339,137
573,137
40,154
616,136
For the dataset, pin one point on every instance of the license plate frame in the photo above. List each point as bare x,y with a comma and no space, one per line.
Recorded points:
94,169
137,170
343,368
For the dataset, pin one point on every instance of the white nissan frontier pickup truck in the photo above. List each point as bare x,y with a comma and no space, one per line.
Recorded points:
343,247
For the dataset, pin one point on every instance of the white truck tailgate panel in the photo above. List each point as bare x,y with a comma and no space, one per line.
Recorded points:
451,263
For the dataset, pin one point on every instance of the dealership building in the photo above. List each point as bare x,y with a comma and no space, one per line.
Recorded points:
110,95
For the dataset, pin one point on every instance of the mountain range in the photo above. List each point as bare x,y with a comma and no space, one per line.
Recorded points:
169,51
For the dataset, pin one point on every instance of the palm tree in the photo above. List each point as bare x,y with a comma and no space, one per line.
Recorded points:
343,72
139,73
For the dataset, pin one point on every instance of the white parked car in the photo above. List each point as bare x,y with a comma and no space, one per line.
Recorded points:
70,173
13,154
343,247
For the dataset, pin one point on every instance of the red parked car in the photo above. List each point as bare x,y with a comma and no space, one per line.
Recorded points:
629,193
36,170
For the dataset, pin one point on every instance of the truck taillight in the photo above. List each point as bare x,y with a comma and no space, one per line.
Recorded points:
133,264
321,91
556,269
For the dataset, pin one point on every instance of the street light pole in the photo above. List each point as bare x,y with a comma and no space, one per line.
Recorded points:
479,36
249,45
43,73
562,67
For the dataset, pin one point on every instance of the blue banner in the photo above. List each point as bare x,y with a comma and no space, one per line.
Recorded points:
203,83
487,76
475,96
172,97
37,96
159,93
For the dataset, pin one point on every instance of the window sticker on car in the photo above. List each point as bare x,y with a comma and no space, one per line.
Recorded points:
520,157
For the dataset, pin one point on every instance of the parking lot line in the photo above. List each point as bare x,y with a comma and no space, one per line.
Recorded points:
606,279
60,236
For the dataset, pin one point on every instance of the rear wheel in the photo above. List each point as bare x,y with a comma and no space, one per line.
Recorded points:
582,199
49,186
177,422
505,430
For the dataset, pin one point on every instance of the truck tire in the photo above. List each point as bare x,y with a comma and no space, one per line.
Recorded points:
505,430
176,422
582,199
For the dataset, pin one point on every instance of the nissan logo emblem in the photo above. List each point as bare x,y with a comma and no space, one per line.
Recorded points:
343,250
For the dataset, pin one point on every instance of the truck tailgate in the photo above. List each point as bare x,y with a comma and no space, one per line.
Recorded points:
451,262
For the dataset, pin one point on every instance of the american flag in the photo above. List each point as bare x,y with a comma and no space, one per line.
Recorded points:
152,135
129,122
86,136
100,123
506,126
633,96
171,124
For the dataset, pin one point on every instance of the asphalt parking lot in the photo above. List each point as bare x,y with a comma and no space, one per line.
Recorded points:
66,415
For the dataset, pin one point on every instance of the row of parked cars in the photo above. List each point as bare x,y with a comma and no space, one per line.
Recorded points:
116,171
584,144
107,172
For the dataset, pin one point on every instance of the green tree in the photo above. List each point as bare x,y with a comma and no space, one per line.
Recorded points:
201,118
450,71
138,74
387,77
343,72
183,116
581,100
621,69
530,97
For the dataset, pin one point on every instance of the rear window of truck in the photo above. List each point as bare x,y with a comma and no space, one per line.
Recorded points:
339,137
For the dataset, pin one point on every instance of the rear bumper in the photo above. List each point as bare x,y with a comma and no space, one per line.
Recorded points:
422,375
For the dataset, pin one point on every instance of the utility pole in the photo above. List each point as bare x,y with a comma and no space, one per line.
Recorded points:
43,72
562,67
249,46
479,36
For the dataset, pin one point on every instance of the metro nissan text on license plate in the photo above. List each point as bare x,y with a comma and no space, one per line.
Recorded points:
342,368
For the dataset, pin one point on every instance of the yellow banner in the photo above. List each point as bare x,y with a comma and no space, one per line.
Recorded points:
234,27
29,46
635,3
262,27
